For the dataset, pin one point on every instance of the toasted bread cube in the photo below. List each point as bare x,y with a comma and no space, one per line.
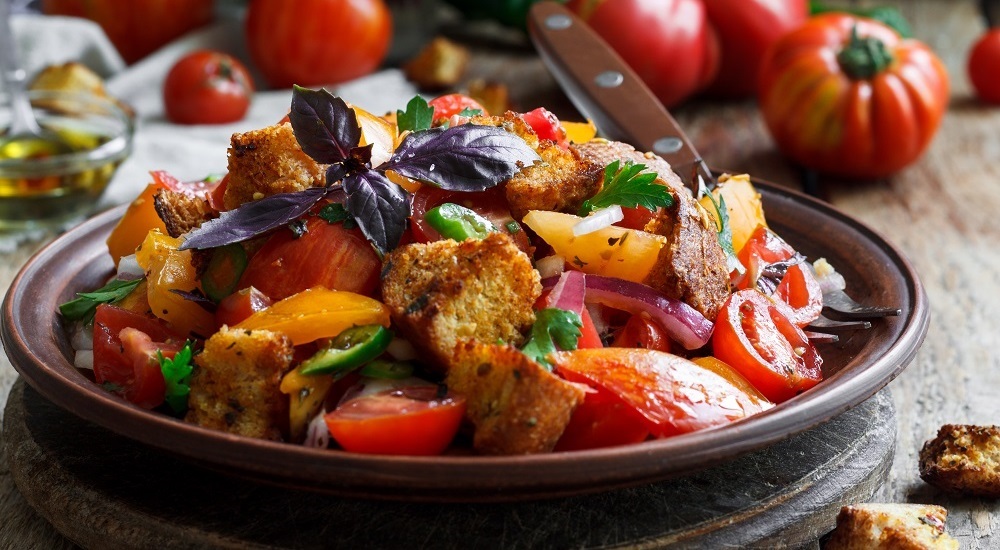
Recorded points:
516,406
561,182
891,527
235,384
493,96
963,459
181,212
441,64
444,292
266,162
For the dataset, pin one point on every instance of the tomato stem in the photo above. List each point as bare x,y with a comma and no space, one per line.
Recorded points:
863,58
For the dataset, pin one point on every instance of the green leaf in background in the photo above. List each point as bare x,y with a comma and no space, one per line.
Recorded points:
887,15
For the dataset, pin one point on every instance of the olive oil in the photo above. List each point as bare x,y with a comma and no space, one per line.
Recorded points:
62,185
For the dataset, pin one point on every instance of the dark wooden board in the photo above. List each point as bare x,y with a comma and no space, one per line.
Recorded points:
105,491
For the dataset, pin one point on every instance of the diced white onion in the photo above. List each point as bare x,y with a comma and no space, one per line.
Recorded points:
550,266
128,268
84,359
599,219
827,276
317,434
81,337
401,350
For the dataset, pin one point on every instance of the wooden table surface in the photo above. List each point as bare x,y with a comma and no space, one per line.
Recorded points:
941,211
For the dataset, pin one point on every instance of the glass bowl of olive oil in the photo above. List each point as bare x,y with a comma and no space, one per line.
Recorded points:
46,184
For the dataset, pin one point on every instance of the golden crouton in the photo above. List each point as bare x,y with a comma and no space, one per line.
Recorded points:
266,162
963,459
73,77
181,212
493,96
891,527
235,384
441,64
444,292
516,406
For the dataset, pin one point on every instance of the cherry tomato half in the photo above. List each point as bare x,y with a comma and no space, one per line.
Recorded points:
753,336
207,87
798,289
984,66
406,421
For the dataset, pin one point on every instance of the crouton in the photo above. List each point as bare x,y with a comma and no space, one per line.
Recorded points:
692,266
516,406
441,64
444,292
891,526
235,384
963,459
493,96
181,212
266,162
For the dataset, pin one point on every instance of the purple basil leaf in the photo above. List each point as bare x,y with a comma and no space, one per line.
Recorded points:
335,173
362,155
197,297
463,158
325,127
379,207
253,218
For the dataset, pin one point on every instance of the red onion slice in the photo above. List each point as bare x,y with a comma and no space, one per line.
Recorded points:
682,322
569,291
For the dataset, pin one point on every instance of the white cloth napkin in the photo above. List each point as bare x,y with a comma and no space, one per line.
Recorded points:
187,152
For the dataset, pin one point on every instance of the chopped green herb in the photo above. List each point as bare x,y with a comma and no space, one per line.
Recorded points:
725,231
83,307
417,116
177,376
553,327
512,227
335,213
628,186
470,112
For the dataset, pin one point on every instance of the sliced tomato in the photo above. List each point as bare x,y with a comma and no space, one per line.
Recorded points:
640,332
449,105
240,305
673,395
602,420
125,346
753,335
405,421
546,126
326,255
799,288
490,204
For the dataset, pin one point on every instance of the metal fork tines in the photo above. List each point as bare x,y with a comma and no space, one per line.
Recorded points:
826,325
839,304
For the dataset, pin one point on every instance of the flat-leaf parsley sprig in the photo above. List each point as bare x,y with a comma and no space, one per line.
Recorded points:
463,158
628,185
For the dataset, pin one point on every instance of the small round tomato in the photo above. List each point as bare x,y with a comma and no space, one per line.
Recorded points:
984,66
407,421
546,126
326,254
490,204
602,420
449,105
207,87
798,288
753,336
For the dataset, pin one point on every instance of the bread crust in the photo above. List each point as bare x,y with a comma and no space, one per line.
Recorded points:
963,459
875,526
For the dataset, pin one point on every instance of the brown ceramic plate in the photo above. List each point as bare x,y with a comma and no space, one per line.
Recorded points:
857,367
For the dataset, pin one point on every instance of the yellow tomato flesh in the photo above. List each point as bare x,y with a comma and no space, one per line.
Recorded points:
378,133
579,132
139,219
612,251
317,313
305,397
168,269
743,205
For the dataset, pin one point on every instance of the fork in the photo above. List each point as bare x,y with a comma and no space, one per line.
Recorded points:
839,304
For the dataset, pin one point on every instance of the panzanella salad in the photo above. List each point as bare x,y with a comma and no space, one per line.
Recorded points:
441,278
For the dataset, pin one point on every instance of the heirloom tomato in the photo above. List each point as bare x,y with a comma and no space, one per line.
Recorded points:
984,66
848,96
313,42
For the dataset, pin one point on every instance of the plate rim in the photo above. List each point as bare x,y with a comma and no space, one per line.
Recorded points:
464,478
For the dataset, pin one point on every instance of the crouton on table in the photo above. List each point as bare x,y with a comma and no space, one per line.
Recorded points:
891,527
963,459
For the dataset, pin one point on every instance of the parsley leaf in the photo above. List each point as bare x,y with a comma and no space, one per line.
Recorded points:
725,231
417,116
177,376
553,327
470,112
629,186
85,305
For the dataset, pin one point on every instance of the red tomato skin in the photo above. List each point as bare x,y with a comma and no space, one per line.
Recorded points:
602,420
799,288
755,338
666,42
240,305
449,105
673,395
327,255
391,424
861,129
206,87
546,126
984,66
745,30
637,218
639,332
317,42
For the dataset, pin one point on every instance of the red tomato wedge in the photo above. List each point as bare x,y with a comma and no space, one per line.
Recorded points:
326,255
799,288
753,336
673,395
602,420
640,332
407,421
239,305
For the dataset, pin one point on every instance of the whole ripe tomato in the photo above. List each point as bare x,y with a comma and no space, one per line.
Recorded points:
984,66
861,106
315,42
679,47
137,27
207,87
